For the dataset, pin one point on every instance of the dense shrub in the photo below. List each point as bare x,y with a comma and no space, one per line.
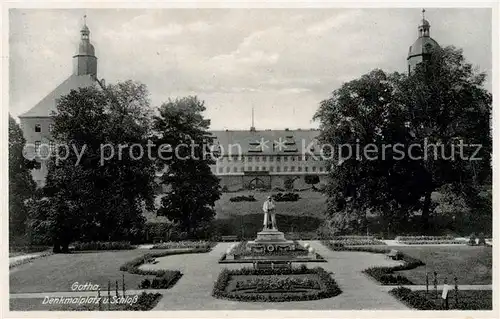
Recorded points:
426,238
102,245
468,299
356,240
286,197
184,244
412,299
164,280
329,290
145,302
243,198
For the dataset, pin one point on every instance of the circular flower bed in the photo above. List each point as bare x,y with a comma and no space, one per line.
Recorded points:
275,285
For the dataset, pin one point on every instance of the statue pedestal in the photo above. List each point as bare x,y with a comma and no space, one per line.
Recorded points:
270,240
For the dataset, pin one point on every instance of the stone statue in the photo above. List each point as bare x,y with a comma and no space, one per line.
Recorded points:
269,209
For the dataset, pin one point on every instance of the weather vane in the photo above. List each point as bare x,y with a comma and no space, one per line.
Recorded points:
423,13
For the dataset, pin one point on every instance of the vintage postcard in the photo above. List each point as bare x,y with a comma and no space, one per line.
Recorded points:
301,160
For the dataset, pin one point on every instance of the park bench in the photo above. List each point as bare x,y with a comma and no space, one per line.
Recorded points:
157,239
394,254
229,238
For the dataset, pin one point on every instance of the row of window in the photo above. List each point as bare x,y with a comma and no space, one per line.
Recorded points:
271,169
51,144
38,127
276,158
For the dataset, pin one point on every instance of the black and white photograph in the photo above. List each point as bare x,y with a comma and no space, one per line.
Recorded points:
221,158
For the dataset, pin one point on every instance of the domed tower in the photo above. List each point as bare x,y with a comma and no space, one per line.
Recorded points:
420,50
85,61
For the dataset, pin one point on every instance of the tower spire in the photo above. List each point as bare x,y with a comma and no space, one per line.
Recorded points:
423,14
85,61
252,128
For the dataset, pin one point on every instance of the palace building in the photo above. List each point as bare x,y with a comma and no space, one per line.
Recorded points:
249,158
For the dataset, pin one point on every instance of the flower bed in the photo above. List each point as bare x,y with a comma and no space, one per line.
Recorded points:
102,245
286,197
432,242
243,198
384,275
467,299
184,244
357,241
241,251
275,285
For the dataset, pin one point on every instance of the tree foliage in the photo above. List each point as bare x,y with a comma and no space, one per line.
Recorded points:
99,197
193,188
21,184
441,102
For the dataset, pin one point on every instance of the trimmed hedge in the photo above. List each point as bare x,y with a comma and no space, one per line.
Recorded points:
384,275
286,197
165,280
412,299
433,242
243,198
184,244
102,245
358,242
331,288
146,301
467,299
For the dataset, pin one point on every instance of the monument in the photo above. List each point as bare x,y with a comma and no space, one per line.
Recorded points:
270,239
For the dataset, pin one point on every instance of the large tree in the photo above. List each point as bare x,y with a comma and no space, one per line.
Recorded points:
192,187
442,101
448,105
21,184
100,194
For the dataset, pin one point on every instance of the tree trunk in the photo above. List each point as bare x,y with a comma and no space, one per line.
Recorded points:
65,247
425,212
57,247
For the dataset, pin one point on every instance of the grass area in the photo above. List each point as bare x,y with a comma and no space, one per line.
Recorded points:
275,285
467,299
142,302
311,203
471,265
59,271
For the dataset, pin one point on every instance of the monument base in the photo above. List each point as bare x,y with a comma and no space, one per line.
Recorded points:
270,240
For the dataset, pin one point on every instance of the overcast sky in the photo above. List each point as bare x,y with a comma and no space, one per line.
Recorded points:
282,62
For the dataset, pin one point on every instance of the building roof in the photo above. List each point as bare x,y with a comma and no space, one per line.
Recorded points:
293,141
47,105
422,45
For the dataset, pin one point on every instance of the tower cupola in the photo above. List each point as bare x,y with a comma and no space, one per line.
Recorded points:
85,61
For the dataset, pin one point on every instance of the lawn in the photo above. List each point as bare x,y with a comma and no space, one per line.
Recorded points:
471,265
311,203
59,271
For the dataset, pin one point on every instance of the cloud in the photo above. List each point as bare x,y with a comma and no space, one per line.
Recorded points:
283,62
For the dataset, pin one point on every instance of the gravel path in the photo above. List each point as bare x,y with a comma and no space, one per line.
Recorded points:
193,291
